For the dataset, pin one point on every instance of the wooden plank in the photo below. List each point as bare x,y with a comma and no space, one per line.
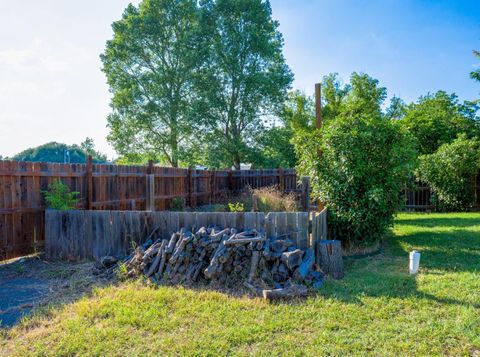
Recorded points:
302,237
280,223
150,192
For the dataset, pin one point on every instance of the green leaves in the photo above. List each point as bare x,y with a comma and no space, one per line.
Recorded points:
437,119
246,75
176,67
59,196
358,161
151,64
450,172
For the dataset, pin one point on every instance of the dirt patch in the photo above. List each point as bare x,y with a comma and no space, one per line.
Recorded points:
30,283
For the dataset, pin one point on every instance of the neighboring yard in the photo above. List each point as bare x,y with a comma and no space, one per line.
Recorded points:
377,308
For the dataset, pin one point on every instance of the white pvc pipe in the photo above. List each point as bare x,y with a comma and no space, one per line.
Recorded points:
414,262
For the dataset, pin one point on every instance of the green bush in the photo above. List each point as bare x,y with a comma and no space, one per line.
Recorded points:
58,196
177,204
357,164
236,207
450,172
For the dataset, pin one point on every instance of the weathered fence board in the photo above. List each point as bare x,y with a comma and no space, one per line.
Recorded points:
82,235
319,231
110,187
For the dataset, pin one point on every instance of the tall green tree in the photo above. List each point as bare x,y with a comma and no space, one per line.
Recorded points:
357,161
361,95
151,64
476,74
450,173
55,152
397,109
438,119
246,78
274,146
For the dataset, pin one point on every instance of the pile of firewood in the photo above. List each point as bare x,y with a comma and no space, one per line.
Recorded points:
274,268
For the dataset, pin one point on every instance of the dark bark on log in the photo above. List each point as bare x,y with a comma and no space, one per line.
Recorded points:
331,260
157,260
307,263
172,243
253,265
159,272
238,241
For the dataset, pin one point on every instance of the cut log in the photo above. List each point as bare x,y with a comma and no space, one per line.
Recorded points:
292,259
307,263
172,243
331,261
238,241
291,292
253,265
157,259
159,272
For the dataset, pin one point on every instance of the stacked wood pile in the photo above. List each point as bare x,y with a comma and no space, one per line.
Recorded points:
275,268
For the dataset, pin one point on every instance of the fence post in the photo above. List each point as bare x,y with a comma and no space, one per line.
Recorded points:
150,167
89,183
254,203
306,193
281,179
230,181
189,188
212,185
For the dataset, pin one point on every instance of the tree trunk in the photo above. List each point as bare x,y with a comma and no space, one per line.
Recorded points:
331,260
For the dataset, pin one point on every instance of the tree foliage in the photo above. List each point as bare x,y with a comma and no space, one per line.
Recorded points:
55,152
358,161
179,66
246,78
476,74
438,119
274,145
59,197
151,64
450,172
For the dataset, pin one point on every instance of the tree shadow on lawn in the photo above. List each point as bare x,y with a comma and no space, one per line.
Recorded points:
31,284
386,275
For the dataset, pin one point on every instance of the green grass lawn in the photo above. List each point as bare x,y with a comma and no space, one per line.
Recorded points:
376,309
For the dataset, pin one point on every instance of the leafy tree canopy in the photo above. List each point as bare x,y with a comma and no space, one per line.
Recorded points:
179,67
438,118
151,64
274,146
476,74
245,79
55,152
450,172
358,161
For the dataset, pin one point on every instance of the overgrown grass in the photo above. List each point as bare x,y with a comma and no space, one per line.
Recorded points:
377,309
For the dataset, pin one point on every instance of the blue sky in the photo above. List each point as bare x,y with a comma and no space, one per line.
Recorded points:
52,89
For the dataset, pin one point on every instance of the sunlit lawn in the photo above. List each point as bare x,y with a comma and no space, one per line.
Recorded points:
376,309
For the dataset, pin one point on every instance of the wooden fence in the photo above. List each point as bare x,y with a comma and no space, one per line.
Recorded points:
418,195
81,235
111,187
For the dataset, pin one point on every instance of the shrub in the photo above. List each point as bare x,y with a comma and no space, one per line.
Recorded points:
177,204
357,164
236,207
58,196
450,172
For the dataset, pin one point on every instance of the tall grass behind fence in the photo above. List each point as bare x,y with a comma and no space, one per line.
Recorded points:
110,187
